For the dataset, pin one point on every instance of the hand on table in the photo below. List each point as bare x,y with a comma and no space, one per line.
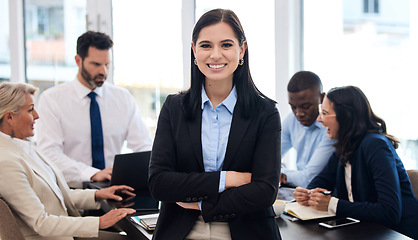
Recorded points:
318,200
113,192
113,216
301,196
105,174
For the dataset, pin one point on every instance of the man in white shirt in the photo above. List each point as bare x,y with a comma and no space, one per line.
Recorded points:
64,131
303,132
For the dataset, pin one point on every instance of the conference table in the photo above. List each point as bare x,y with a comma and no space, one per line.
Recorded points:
290,229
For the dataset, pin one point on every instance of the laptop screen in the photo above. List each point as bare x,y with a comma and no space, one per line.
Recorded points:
132,169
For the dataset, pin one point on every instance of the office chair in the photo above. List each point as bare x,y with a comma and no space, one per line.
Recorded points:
9,230
413,177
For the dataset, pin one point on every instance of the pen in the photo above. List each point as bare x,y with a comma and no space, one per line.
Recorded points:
326,192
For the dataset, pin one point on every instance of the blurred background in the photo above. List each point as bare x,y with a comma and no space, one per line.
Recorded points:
372,44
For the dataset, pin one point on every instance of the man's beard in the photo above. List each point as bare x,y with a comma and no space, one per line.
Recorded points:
89,79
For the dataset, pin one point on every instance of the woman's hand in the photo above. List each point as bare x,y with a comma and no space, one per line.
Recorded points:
113,216
318,200
301,196
236,179
113,193
193,205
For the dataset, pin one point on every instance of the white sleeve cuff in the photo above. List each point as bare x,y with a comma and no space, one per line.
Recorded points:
332,206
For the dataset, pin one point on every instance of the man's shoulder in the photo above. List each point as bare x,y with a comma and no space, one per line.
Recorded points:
290,122
116,91
57,91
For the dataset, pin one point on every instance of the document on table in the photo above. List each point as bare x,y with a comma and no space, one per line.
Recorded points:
148,221
304,212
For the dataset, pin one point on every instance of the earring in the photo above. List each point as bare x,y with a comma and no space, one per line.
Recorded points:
195,62
241,62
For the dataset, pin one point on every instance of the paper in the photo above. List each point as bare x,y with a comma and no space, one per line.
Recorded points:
305,213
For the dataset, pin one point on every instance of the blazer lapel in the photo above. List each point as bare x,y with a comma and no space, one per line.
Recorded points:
62,193
34,165
239,126
195,128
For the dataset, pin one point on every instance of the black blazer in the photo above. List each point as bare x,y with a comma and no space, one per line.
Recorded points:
177,173
380,185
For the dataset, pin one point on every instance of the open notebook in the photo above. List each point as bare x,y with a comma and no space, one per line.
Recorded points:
305,213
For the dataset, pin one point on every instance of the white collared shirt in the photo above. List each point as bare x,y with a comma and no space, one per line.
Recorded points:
63,128
332,207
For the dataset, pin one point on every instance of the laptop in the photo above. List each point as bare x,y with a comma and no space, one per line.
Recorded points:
132,169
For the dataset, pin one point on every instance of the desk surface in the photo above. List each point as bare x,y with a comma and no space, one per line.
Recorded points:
311,230
292,230
301,230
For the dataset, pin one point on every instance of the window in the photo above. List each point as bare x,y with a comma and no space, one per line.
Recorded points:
148,55
4,41
51,31
257,19
377,54
371,6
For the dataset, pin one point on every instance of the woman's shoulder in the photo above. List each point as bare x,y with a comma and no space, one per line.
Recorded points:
374,138
373,141
268,106
174,98
10,159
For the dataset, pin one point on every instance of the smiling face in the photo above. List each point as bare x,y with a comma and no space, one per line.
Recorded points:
328,118
94,68
23,121
217,52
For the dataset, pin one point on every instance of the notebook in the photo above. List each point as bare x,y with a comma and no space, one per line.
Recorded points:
304,212
132,169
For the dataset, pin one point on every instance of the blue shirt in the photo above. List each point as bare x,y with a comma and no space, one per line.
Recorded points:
216,123
313,148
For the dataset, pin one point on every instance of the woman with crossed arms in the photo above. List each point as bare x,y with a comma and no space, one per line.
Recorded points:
367,178
215,163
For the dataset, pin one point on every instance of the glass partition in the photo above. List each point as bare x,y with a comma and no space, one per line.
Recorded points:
148,57
4,41
51,31
257,19
372,45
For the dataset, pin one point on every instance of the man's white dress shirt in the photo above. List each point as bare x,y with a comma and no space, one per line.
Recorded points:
63,128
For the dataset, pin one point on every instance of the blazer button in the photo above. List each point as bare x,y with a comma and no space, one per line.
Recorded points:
232,215
221,217
188,199
214,218
206,197
200,199
194,199
226,216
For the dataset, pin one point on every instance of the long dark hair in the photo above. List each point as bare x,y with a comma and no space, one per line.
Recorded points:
249,97
355,118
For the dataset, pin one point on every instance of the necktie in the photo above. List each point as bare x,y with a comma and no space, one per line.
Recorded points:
96,133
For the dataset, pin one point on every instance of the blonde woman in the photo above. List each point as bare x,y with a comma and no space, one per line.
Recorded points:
40,199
